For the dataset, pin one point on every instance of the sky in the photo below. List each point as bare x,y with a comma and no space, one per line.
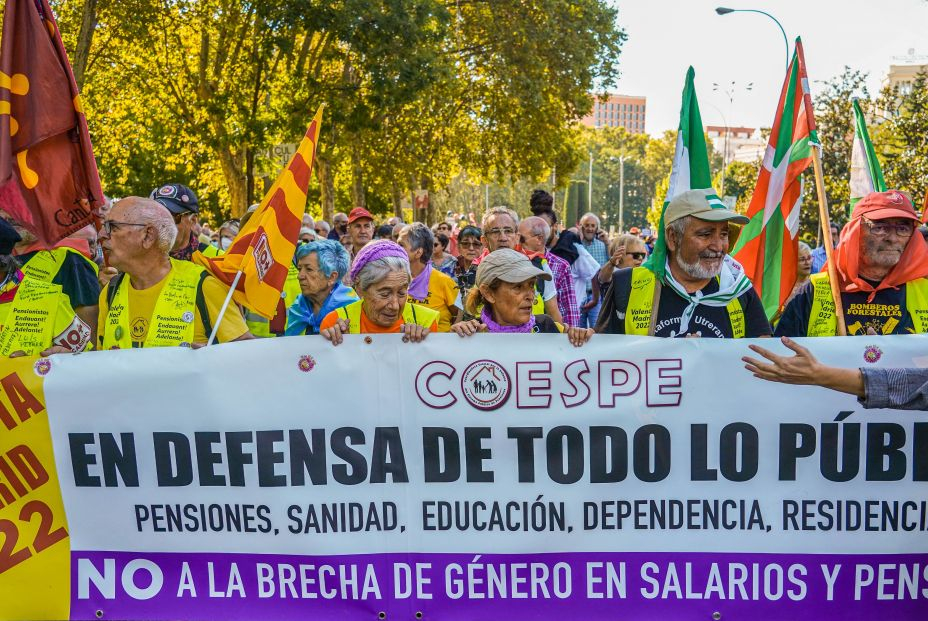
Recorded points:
667,36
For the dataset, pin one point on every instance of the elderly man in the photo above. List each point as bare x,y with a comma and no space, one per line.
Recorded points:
690,286
360,229
322,229
882,266
589,234
184,207
321,265
429,287
534,232
339,226
157,301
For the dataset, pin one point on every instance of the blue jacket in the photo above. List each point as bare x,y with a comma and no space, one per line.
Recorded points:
302,320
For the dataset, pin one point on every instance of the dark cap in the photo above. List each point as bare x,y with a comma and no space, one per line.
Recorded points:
8,237
177,198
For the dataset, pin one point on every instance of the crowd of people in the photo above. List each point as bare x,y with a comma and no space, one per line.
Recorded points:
133,283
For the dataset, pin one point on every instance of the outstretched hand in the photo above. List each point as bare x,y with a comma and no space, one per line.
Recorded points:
803,368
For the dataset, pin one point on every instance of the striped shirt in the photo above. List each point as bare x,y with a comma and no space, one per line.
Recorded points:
900,389
566,298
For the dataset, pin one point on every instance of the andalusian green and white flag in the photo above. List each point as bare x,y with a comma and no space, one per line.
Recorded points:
768,246
690,169
866,176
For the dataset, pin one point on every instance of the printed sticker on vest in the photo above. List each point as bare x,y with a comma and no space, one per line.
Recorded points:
75,337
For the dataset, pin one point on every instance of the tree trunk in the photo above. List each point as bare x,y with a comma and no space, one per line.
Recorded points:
327,185
235,181
357,180
397,200
84,39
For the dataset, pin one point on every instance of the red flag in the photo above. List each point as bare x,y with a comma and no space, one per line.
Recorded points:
48,177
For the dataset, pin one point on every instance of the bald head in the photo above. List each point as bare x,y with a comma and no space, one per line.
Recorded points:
138,210
534,233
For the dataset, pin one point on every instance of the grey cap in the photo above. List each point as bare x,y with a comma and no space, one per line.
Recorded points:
697,203
507,265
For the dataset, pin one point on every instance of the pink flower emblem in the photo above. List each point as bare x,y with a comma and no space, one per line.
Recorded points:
872,354
306,364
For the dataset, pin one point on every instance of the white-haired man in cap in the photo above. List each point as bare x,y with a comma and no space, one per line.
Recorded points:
690,286
157,301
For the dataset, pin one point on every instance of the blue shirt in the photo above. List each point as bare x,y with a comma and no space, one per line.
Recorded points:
818,259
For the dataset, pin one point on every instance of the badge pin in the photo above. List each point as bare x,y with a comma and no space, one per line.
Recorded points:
118,332
187,317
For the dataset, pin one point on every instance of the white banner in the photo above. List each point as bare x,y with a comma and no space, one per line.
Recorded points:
658,472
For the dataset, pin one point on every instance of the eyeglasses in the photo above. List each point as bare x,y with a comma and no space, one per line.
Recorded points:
882,229
523,238
508,232
470,244
180,216
109,225
319,232
638,256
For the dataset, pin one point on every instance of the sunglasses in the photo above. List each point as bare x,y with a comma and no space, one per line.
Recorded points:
470,244
638,256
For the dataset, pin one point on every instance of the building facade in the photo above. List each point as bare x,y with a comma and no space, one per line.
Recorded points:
618,111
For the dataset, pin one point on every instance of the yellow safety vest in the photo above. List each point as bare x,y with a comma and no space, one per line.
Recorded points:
32,318
641,302
172,319
212,251
261,327
822,319
412,313
45,264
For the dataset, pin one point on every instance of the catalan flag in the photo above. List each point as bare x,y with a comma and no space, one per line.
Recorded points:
263,249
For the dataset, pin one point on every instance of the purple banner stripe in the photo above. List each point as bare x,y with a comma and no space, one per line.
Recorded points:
472,587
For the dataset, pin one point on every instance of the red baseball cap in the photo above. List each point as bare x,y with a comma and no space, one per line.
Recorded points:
358,213
883,205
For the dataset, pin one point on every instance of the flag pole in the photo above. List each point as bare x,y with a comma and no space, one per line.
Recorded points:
825,222
222,311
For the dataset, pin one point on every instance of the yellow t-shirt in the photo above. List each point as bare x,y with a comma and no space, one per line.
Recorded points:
142,305
442,295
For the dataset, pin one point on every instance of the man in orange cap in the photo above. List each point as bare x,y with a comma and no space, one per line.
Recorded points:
882,267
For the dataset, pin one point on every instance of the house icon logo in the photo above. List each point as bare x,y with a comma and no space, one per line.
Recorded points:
485,384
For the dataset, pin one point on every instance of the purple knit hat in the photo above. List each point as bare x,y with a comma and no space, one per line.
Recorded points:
374,250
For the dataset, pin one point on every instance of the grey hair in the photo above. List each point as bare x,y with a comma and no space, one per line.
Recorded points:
805,246
499,210
590,214
324,225
420,237
377,270
539,226
678,227
154,214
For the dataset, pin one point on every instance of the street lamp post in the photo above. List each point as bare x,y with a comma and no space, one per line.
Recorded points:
725,11
730,92
589,186
621,193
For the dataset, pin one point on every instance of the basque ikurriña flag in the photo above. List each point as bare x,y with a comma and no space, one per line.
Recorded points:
866,174
690,169
48,177
768,246
263,249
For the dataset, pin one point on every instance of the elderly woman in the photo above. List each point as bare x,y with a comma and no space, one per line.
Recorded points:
626,250
470,246
320,265
803,270
380,275
429,287
505,289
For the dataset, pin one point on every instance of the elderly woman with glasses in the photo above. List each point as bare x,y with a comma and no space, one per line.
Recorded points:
503,296
380,275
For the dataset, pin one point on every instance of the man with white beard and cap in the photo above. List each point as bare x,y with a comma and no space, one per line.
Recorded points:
689,287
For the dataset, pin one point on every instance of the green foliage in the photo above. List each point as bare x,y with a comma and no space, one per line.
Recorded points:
417,92
901,140
740,179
